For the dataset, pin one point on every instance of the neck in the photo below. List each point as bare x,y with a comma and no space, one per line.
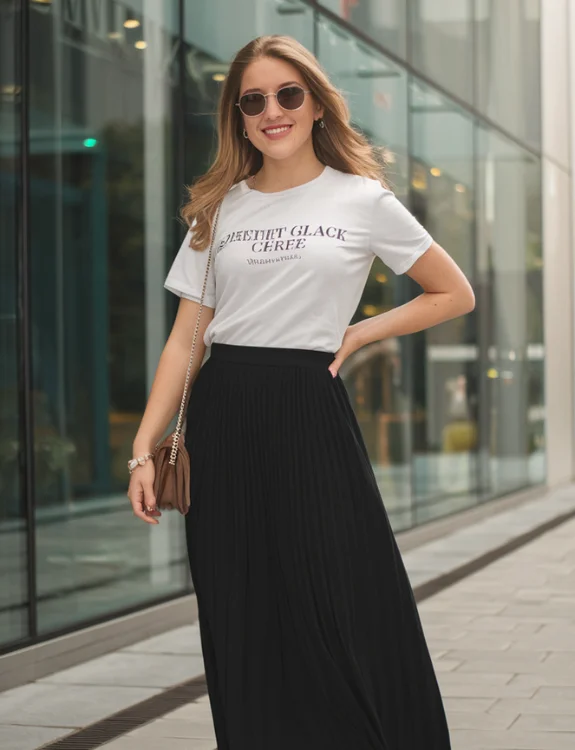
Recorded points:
283,174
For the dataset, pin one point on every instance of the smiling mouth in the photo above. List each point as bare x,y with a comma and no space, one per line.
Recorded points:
277,129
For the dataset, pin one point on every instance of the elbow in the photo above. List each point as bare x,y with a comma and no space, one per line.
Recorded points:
469,301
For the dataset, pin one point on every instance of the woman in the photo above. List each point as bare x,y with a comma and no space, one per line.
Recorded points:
310,633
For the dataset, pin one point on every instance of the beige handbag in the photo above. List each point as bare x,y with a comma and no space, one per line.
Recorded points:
171,458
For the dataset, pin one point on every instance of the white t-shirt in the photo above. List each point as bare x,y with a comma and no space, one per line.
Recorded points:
289,268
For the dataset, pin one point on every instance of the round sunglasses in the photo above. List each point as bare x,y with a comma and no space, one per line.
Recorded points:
289,98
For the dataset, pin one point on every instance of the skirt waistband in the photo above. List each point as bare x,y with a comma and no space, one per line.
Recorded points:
270,355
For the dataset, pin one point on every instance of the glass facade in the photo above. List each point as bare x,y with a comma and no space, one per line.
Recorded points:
106,111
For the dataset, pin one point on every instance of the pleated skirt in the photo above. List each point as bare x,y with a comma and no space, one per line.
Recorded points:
310,633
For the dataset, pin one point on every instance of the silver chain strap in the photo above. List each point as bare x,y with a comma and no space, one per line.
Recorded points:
178,430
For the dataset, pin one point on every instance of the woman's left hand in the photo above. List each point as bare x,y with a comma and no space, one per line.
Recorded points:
349,345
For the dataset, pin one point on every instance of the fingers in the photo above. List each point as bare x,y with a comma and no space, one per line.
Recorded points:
137,498
150,501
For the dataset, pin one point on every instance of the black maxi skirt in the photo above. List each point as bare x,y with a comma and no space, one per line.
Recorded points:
310,633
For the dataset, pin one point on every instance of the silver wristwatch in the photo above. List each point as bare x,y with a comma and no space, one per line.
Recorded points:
139,461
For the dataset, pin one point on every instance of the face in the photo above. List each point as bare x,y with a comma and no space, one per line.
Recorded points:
278,133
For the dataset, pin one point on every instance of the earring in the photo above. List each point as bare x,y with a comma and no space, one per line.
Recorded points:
320,122
245,133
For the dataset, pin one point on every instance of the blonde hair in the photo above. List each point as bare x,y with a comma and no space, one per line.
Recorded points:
338,145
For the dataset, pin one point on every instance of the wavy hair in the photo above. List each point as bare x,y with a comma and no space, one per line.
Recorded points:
338,145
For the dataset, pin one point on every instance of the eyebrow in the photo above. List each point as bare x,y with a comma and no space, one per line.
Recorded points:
287,83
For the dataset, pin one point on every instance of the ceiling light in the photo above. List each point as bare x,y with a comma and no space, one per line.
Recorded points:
219,77
140,44
435,171
131,23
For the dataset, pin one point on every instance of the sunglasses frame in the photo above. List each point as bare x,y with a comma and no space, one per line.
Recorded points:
265,96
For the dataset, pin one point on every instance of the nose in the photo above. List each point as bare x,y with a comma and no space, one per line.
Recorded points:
273,109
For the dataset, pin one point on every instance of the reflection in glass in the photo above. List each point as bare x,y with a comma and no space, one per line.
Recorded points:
102,201
13,548
210,45
377,376
441,44
445,357
508,60
385,22
510,272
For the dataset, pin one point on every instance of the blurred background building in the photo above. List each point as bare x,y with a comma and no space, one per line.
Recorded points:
107,110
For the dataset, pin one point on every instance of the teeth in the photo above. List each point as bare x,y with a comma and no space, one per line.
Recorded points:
273,131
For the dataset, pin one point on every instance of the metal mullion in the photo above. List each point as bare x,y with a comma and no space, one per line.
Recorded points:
25,372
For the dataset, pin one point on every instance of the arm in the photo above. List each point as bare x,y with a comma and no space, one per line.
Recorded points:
446,294
165,397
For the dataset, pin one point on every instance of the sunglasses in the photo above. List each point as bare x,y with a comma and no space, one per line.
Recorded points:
289,98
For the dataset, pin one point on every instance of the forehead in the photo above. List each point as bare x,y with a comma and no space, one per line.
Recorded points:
266,73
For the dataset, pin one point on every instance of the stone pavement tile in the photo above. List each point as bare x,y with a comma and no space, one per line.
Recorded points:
73,706
495,692
546,723
490,624
196,729
534,705
471,739
442,616
565,679
518,656
473,705
469,606
545,612
561,658
434,631
479,721
479,678
520,667
446,665
476,641
128,669
153,743
527,628
554,692
184,640
28,738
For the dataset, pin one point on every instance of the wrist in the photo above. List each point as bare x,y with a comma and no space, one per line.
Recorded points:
140,448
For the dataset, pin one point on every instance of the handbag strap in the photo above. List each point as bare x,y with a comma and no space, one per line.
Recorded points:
178,430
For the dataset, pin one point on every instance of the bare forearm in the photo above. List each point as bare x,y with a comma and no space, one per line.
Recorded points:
166,393
425,311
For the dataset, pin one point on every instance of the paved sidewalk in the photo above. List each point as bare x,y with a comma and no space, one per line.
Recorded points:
502,640
503,644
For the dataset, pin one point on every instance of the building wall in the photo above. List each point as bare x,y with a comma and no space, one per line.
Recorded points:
118,120
557,102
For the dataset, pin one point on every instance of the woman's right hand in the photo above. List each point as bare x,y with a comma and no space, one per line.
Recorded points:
141,493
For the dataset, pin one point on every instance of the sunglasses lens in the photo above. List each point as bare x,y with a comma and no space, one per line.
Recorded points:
291,97
252,104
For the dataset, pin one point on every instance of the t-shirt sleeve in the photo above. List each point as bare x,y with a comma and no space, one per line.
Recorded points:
186,275
397,237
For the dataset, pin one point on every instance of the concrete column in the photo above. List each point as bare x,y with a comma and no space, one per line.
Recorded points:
558,241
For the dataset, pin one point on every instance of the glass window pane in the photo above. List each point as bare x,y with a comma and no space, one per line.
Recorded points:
103,206
209,48
510,267
207,34
385,22
441,44
13,548
445,358
508,65
376,91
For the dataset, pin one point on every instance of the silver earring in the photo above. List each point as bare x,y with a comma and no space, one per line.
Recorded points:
244,133
321,123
